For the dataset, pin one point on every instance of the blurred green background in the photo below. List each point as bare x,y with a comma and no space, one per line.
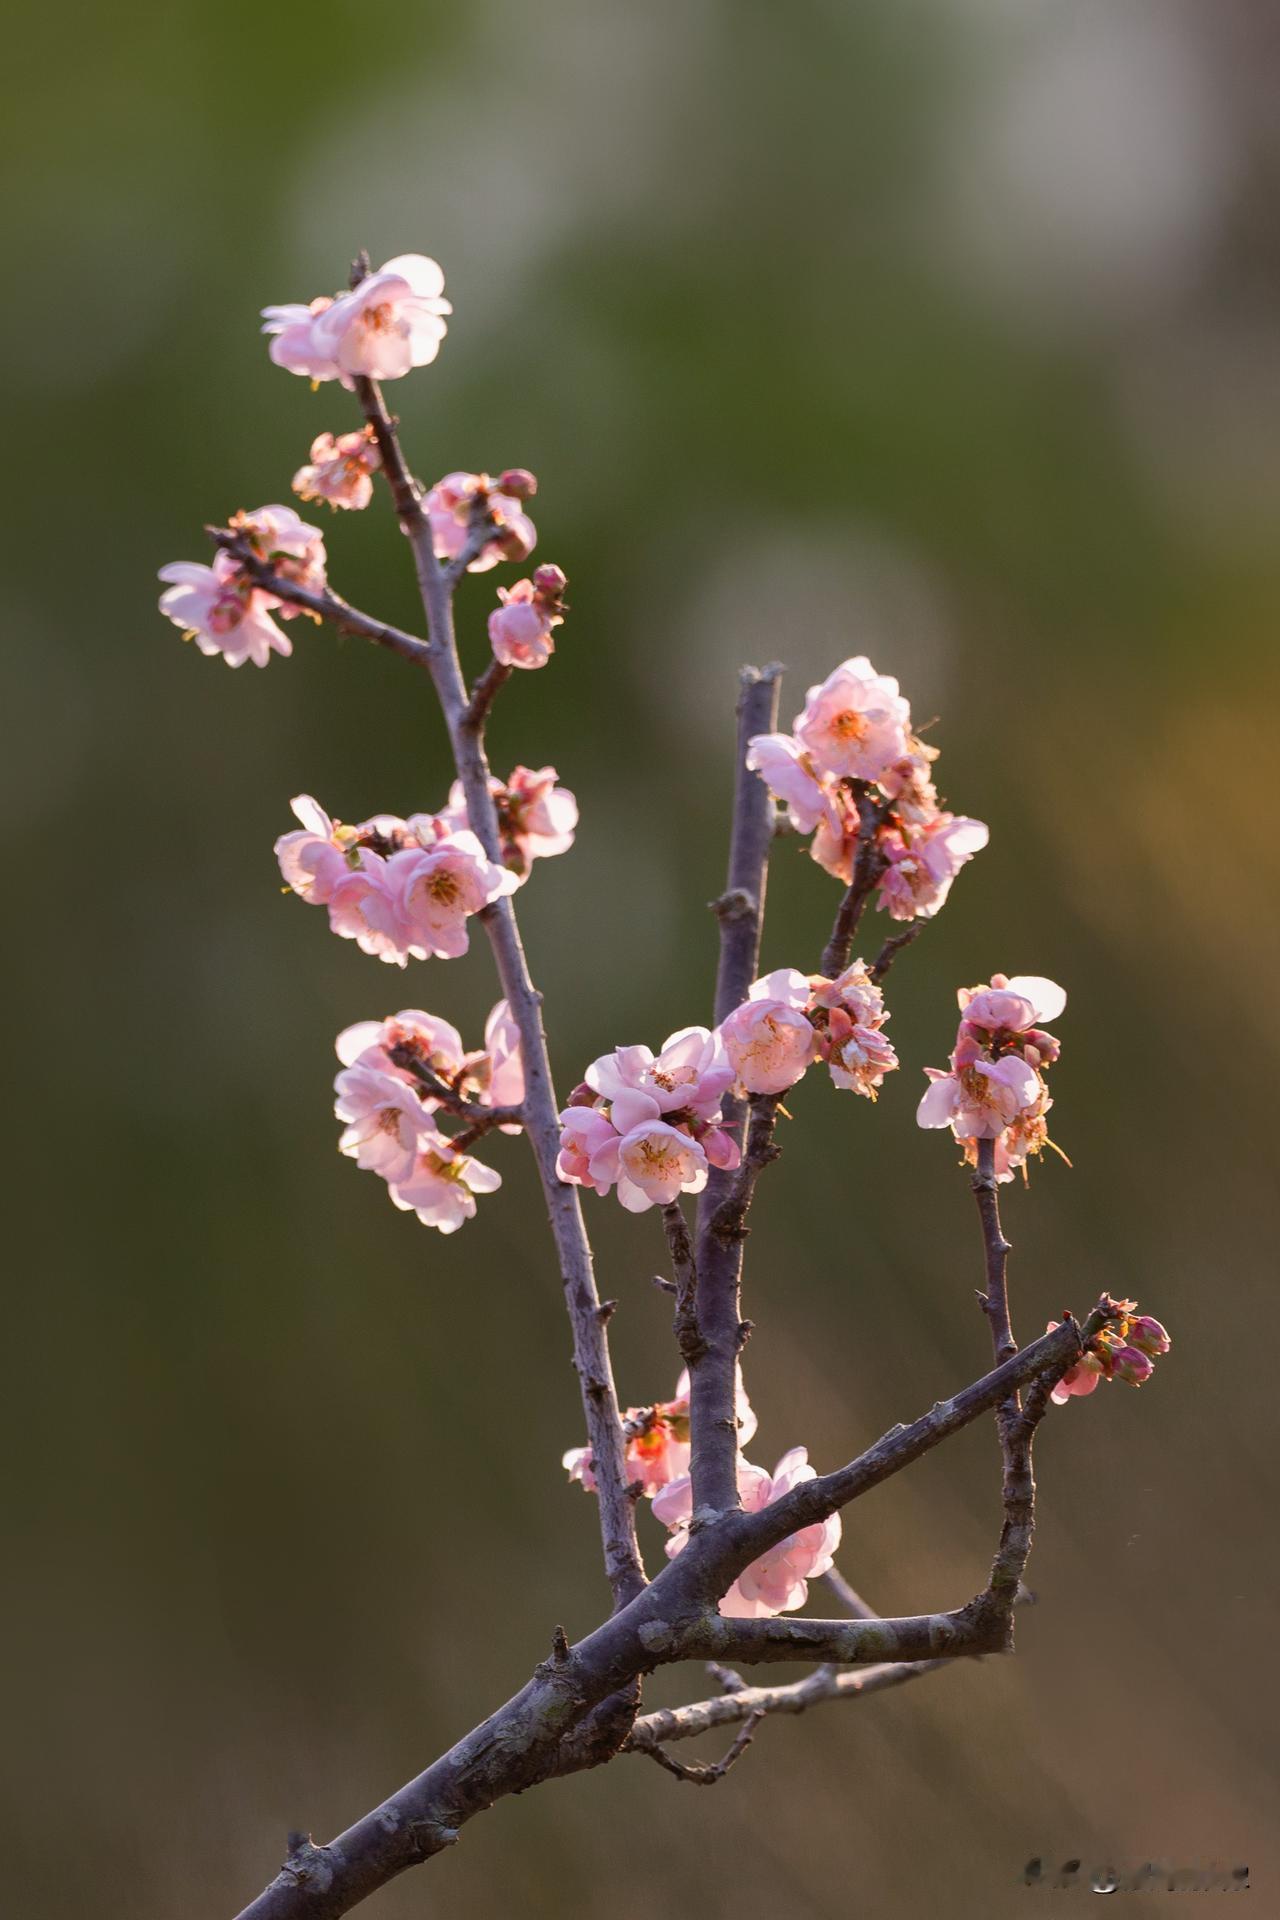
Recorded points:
944,332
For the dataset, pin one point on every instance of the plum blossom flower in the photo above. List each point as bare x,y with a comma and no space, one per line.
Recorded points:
520,629
588,1154
855,723
286,544
385,1121
769,1039
1012,1005
922,863
393,321
340,469
853,992
434,891
316,858
656,1162
1079,1379
222,611
442,1187
980,1100
860,1059
778,1582
790,775
450,506
689,1075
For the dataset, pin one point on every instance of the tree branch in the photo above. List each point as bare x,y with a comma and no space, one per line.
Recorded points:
868,865
688,1338
704,1776
326,606
449,1098
740,910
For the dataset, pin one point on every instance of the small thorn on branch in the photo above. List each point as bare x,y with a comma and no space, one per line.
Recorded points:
559,1646
605,1311
667,1286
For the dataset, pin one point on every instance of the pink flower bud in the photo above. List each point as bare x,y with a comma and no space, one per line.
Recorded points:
1148,1336
1130,1365
518,481
582,1096
549,581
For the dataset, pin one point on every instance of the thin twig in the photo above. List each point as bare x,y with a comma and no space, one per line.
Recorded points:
327,606
703,1776
893,947
495,675
868,865
688,1335
449,1098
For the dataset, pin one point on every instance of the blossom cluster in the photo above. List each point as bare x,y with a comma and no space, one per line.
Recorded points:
653,1127
649,1125
405,889
340,470
1125,1352
389,1115
223,609
463,503
994,1088
657,1441
852,772
393,321
790,1019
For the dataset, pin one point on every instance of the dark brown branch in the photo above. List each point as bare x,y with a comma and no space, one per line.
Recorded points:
688,1337
707,1776
740,911
893,947
327,606
483,694
547,1728
868,865
481,1116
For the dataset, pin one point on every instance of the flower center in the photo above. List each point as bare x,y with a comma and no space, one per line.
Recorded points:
849,725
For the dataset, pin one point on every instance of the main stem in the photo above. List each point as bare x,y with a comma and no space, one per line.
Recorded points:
713,1373
590,1347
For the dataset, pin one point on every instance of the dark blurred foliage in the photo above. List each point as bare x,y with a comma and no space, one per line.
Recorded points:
943,332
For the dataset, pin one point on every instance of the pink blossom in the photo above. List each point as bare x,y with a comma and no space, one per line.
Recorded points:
294,346
362,908
450,505
854,992
433,893
520,629
656,1162
789,773
315,860
658,1444
588,1154
689,1076
536,818
1079,1379
393,321
1012,1005
386,1121
340,469
441,1189
778,1581
856,723
769,1040
222,611
923,862
860,1059
835,844
982,1099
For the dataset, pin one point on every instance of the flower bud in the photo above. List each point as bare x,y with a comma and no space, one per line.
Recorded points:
549,581
582,1096
1147,1335
519,481
1040,1049
1131,1366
